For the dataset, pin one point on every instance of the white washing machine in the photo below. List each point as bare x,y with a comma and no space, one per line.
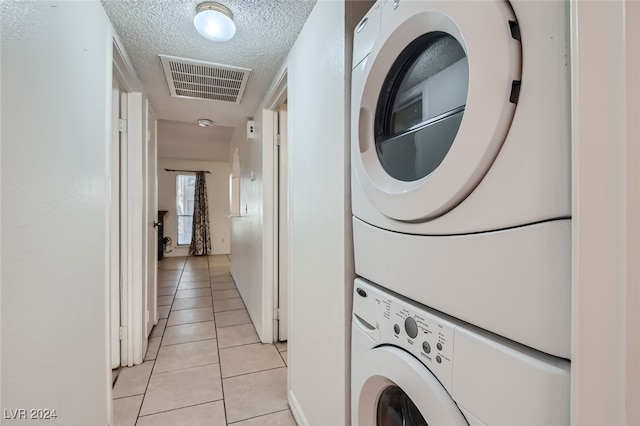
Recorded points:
461,161
413,366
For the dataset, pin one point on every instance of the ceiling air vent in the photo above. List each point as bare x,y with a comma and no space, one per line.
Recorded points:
188,78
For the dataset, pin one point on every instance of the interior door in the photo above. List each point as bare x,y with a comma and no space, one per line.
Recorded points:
283,220
152,225
132,126
125,297
114,228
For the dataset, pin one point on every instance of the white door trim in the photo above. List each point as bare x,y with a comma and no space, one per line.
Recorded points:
126,354
268,237
132,244
135,227
282,283
605,62
274,98
114,226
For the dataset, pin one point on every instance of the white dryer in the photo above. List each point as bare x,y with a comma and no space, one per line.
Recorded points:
461,161
413,366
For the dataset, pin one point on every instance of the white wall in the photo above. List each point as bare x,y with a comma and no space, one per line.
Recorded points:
234,185
247,229
218,197
188,141
56,90
320,277
320,234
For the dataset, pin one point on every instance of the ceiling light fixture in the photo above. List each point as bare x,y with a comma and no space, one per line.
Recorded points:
214,21
205,122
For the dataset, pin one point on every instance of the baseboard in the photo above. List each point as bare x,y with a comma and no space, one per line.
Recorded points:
296,410
259,331
255,323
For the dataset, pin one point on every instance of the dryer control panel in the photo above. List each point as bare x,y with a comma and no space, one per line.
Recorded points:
390,319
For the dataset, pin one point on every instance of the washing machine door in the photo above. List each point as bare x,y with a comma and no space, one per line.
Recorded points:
395,389
433,102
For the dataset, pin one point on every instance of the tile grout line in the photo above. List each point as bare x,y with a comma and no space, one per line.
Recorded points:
231,310
161,339
245,344
178,408
146,389
224,402
257,417
128,396
190,341
255,372
211,283
187,368
193,322
285,366
234,325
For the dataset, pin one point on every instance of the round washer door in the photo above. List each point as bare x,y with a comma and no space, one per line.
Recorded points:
398,390
433,104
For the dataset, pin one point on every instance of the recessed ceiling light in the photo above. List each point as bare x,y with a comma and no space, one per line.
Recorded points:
205,122
214,21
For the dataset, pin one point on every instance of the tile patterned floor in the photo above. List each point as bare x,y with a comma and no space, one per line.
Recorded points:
205,364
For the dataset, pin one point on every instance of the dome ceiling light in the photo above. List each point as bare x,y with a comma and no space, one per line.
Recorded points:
214,21
205,122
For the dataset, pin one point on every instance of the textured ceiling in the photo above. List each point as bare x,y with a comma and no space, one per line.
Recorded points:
266,31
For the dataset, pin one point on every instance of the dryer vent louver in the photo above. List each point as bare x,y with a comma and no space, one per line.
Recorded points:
188,78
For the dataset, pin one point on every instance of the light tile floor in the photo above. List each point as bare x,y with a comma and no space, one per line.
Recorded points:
205,364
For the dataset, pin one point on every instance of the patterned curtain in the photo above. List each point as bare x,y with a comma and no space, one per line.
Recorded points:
200,236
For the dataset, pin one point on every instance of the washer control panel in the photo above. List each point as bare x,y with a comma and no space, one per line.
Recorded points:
403,323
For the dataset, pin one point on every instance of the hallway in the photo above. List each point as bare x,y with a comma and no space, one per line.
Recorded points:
205,364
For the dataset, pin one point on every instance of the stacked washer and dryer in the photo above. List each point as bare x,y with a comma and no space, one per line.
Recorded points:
461,183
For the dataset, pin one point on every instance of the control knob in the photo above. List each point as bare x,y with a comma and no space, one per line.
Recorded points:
411,327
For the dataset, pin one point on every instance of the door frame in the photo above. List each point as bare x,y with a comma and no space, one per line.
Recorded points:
281,221
605,60
114,224
132,246
270,260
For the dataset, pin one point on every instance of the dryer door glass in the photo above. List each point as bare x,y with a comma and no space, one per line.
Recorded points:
395,408
421,105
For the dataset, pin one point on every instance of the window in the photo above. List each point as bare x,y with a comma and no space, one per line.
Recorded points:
185,190
421,106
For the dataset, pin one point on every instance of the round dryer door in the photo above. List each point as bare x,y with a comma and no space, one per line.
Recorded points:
434,103
397,390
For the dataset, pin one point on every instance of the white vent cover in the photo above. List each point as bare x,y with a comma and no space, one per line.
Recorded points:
188,78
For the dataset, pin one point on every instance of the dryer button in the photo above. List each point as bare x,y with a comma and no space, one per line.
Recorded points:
411,327
439,346
396,328
426,347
